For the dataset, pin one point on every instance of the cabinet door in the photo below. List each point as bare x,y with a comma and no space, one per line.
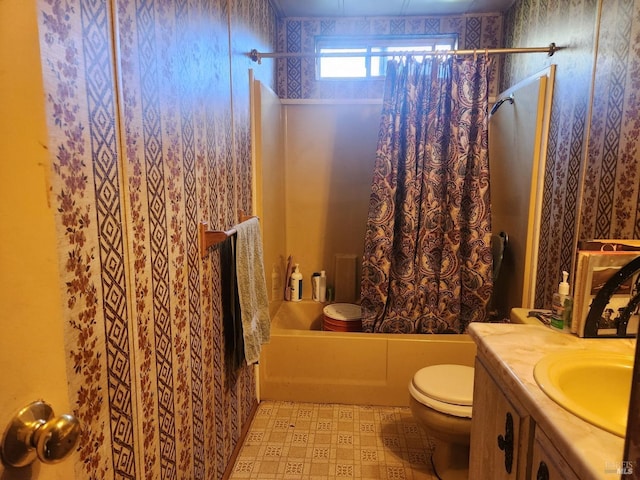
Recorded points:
500,432
546,461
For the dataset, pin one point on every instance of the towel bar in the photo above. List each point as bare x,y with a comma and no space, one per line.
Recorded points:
209,238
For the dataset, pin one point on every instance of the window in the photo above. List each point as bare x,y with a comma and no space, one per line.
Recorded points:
356,57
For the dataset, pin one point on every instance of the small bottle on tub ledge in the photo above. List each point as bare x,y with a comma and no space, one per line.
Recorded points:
319,286
296,284
322,294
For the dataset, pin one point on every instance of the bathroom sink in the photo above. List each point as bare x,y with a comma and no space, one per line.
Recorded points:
593,385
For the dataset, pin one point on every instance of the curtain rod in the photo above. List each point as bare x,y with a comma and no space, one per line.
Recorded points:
257,56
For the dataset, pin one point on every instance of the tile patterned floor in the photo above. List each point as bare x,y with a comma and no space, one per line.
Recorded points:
325,441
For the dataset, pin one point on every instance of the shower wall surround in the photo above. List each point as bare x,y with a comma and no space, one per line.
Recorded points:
297,77
148,137
592,180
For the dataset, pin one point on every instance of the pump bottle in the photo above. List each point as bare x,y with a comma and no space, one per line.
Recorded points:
562,305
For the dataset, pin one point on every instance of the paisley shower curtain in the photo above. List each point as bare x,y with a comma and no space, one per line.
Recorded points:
427,265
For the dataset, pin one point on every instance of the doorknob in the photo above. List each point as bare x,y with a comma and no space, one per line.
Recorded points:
35,432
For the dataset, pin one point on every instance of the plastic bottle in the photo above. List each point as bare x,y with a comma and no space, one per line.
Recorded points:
322,296
276,287
562,305
315,286
296,285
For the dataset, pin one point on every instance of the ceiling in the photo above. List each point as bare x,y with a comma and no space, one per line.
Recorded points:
385,8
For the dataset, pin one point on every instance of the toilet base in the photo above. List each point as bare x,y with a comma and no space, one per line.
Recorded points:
450,461
450,436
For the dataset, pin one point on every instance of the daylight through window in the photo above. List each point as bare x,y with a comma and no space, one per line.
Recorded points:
364,63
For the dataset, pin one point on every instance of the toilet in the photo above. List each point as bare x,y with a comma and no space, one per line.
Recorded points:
441,398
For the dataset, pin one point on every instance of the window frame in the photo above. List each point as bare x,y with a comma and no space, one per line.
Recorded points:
370,42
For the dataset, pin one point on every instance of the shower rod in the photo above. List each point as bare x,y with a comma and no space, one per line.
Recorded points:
257,56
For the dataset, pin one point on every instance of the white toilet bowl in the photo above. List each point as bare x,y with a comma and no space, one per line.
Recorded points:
441,399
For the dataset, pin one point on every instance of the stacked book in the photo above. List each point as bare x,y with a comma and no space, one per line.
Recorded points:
597,262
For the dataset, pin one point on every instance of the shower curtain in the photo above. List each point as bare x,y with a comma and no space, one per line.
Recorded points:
427,265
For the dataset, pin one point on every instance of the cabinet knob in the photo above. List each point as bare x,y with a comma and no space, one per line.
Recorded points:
543,472
505,443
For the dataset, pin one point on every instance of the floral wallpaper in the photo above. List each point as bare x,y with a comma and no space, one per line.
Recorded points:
536,22
591,188
611,192
148,136
612,176
149,133
296,76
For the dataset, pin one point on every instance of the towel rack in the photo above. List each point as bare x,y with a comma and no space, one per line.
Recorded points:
209,238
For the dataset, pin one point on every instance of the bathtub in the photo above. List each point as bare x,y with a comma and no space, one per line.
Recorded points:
304,364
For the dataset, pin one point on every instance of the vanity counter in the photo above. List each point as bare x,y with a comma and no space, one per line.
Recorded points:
511,352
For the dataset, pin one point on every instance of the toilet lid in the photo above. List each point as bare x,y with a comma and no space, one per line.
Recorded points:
451,384
463,411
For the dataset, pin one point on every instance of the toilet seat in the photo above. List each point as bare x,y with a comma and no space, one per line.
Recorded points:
444,388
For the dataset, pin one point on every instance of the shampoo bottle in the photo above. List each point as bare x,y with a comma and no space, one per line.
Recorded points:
315,286
276,286
322,297
296,285
562,305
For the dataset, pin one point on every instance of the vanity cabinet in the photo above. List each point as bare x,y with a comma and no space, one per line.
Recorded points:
546,461
501,431
548,441
505,441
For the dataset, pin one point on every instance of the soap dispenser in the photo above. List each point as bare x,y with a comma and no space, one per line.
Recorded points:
562,305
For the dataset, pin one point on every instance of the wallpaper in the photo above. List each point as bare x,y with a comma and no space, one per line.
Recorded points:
611,199
592,183
536,22
146,140
612,176
598,146
296,76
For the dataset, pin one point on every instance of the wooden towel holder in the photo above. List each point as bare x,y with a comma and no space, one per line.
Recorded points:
209,238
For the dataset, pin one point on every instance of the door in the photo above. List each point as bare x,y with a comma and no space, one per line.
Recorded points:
518,132
32,354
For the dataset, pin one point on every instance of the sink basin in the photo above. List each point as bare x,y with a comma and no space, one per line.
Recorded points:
593,385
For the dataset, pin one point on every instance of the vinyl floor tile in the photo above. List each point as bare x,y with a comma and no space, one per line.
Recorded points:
289,440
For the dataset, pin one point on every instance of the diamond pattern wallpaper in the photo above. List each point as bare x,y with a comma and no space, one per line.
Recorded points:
612,176
149,134
540,22
148,117
592,183
602,147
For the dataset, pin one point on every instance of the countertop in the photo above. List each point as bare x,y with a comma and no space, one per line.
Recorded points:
511,352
